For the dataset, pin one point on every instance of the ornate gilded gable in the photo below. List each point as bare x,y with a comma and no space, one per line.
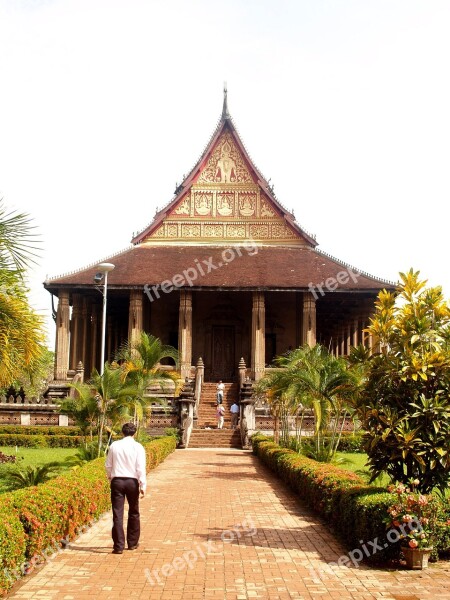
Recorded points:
224,200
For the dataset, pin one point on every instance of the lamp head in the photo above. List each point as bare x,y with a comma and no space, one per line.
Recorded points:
98,277
105,267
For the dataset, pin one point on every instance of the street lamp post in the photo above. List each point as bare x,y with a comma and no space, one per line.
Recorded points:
104,269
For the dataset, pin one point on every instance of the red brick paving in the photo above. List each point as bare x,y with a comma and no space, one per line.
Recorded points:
197,498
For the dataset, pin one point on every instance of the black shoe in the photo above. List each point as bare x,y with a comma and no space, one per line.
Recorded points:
116,551
133,547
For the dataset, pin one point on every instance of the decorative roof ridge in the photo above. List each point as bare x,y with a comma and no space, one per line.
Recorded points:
349,266
90,265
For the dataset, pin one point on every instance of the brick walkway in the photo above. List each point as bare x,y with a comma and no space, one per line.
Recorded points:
197,498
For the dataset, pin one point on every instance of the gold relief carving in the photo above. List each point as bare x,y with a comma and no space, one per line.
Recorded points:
266,209
172,230
225,165
159,232
213,231
190,231
259,231
184,208
247,203
203,203
225,204
236,231
281,231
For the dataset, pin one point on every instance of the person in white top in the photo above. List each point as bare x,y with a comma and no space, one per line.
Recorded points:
126,470
234,410
220,388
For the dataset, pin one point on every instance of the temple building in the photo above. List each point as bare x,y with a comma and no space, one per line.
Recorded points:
223,272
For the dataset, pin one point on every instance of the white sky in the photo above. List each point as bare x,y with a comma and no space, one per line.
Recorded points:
345,105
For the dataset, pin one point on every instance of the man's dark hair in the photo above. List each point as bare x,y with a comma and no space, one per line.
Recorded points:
129,429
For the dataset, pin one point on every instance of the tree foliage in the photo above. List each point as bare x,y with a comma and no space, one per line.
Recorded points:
405,408
315,379
21,329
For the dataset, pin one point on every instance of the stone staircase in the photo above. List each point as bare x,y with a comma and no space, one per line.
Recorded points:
206,434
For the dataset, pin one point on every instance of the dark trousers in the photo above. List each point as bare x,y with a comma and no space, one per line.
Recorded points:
121,488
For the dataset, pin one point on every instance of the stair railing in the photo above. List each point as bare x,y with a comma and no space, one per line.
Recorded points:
199,379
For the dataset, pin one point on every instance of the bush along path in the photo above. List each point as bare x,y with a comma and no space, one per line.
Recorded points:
38,521
355,511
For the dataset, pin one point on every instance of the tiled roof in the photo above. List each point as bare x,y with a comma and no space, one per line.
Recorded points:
222,267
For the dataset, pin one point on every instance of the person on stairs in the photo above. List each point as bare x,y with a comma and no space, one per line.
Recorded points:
220,416
220,389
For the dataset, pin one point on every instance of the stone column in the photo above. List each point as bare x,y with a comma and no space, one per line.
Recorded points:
185,333
258,335
309,320
62,336
135,316
76,331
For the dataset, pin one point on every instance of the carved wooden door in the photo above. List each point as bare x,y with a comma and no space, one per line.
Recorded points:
223,366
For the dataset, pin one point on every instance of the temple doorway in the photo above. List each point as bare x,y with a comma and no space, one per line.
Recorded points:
223,352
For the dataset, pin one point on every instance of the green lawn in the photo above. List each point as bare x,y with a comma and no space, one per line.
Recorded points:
32,457
355,461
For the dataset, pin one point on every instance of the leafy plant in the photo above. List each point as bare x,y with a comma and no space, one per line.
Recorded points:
30,476
405,408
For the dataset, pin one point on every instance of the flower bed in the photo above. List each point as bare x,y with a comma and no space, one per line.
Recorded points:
35,521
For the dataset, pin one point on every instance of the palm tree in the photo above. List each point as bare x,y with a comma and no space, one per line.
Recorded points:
21,330
20,478
313,377
141,367
100,400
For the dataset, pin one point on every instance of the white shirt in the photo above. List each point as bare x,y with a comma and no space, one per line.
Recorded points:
126,458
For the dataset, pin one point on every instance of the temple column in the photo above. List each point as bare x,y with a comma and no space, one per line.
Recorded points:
349,337
95,319
258,335
76,331
309,320
62,336
185,333
86,331
355,337
135,316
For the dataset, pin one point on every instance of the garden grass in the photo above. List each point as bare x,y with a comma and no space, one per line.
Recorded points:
355,461
32,457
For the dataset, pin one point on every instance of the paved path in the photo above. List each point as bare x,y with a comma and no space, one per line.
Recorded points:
218,525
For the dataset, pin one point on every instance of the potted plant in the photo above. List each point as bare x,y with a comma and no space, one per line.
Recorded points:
414,517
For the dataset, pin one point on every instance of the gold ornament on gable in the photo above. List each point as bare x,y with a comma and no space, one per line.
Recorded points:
226,164
184,208
225,204
215,231
247,204
266,209
203,203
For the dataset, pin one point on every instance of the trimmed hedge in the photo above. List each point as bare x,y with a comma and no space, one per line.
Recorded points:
36,521
39,430
40,441
354,510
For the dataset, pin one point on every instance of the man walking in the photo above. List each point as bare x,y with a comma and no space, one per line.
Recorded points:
126,470
234,410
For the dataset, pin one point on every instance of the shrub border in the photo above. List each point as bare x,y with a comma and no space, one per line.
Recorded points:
37,520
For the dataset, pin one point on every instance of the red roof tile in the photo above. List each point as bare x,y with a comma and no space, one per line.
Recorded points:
270,267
